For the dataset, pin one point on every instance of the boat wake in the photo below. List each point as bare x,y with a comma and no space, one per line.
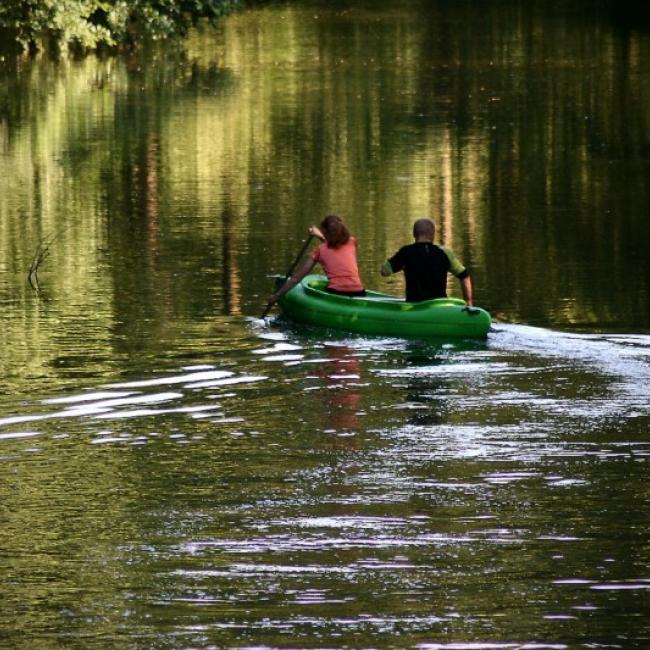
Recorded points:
626,356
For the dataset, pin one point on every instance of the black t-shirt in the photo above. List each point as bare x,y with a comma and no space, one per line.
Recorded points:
425,267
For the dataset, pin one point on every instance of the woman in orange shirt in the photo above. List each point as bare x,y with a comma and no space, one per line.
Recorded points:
338,257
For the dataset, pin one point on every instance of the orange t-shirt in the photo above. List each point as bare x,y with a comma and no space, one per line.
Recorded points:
340,265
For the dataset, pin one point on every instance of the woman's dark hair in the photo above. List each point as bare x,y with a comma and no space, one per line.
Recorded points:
335,231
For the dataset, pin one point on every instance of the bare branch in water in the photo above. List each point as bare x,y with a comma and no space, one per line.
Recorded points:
41,254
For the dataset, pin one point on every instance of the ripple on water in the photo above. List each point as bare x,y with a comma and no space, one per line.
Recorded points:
187,379
480,645
12,435
410,507
621,356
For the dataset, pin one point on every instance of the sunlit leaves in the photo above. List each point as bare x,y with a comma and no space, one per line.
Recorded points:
88,24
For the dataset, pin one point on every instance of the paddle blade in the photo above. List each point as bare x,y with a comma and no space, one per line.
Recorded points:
267,309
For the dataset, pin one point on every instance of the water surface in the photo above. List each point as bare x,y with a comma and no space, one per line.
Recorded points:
177,473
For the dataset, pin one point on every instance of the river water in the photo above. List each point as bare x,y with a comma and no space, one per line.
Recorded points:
177,473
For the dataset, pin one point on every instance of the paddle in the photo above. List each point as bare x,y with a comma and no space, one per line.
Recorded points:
288,274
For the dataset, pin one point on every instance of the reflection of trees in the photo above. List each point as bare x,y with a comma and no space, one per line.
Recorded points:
182,181
478,119
230,273
84,158
554,107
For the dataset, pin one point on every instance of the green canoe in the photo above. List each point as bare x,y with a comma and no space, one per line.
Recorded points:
378,313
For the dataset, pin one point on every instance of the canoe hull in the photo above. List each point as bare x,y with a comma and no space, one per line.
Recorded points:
381,314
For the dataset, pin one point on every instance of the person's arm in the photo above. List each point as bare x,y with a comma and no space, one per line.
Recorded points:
468,291
293,280
394,264
314,231
386,269
456,267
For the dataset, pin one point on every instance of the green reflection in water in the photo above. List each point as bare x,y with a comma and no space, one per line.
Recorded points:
176,183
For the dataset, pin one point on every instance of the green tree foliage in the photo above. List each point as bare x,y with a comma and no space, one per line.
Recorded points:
88,24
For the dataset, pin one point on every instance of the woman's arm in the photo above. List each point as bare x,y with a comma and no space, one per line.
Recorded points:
293,280
314,231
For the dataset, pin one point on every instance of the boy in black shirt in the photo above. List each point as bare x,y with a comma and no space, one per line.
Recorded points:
426,265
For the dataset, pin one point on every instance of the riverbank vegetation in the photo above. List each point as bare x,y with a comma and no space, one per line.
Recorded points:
84,25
